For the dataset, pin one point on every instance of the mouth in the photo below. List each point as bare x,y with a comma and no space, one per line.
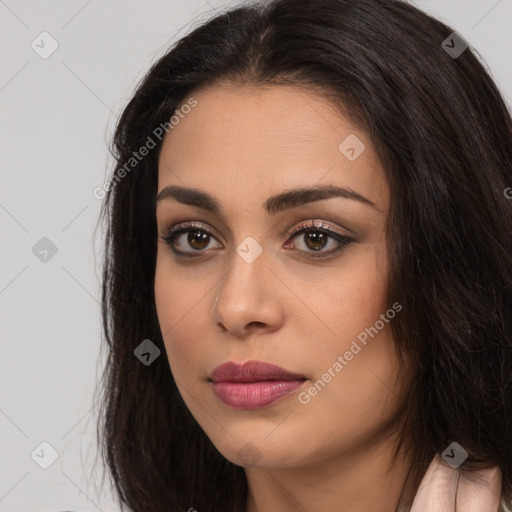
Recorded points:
253,384
252,371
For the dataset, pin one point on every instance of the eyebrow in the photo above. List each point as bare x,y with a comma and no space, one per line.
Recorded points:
277,203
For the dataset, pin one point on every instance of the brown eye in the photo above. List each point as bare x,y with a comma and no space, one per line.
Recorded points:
315,238
197,239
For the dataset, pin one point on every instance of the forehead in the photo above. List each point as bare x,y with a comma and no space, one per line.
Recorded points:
249,137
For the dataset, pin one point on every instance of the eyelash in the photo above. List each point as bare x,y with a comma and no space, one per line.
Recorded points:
302,227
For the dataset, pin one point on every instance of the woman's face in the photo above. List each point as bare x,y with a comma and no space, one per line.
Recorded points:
245,289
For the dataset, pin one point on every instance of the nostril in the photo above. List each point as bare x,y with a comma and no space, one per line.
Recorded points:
222,326
257,324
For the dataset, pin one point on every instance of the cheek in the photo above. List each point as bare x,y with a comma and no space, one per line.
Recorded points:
181,305
178,292
166,298
359,294
358,318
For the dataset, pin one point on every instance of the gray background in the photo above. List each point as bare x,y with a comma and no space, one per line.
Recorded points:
57,115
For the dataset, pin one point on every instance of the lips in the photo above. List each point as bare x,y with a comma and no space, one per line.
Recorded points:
253,384
252,371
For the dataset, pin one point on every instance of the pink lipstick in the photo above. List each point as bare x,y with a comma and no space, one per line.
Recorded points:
253,384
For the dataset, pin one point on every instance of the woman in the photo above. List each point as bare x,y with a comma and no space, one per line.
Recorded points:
308,270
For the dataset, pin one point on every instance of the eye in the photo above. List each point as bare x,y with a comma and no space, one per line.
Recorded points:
316,236
199,238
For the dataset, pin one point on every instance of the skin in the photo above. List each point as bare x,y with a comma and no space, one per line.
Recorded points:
243,144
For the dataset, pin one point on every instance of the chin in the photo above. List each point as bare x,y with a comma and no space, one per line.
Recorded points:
258,451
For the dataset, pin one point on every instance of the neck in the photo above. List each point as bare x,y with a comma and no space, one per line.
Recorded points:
362,481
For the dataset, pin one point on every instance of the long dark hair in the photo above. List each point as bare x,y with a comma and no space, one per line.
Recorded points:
444,135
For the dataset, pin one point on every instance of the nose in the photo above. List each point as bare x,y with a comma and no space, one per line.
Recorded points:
249,299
